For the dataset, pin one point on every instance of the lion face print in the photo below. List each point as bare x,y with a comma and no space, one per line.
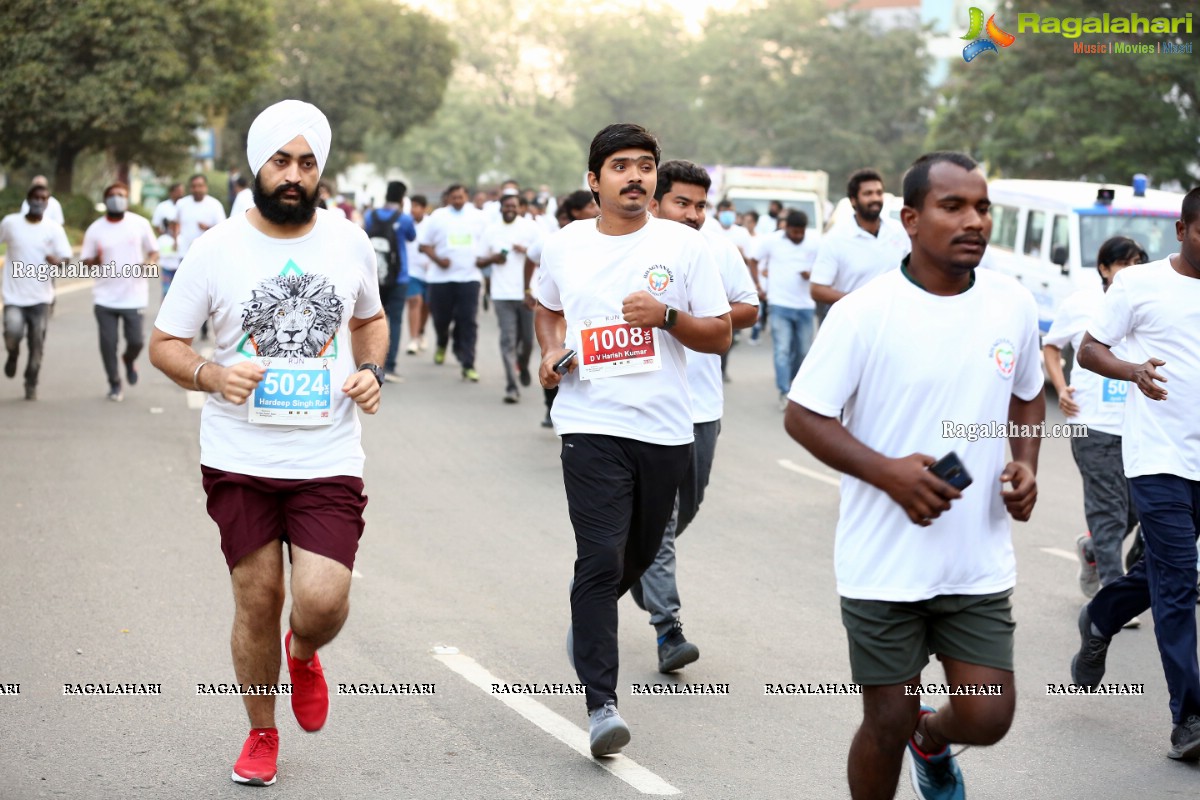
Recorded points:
294,316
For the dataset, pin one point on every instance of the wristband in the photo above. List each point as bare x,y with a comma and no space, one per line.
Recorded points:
196,374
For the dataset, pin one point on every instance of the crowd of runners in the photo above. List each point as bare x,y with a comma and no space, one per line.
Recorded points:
634,294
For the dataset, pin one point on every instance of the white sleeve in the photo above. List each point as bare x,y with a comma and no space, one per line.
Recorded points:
89,249
189,302
1114,320
546,290
831,372
425,236
62,245
367,304
825,267
705,290
735,277
1029,378
149,242
1067,322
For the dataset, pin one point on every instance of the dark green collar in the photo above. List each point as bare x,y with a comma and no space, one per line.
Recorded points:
904,271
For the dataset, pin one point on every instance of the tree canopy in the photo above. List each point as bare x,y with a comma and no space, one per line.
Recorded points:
132,76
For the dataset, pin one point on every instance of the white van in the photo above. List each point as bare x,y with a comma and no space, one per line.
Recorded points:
1046,233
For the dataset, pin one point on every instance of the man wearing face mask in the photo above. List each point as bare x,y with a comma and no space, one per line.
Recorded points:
32,241
727,218
114,244
54,211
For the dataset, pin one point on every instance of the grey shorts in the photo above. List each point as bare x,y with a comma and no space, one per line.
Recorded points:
890,642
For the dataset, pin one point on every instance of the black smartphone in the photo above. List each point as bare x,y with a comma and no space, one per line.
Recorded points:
564,362
952,471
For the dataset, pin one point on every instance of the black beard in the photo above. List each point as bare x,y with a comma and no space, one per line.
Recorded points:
116,216
275,211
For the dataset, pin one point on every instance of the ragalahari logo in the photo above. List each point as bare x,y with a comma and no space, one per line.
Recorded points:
994,37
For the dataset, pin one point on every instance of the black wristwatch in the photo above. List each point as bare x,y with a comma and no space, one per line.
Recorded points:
375,369
671,317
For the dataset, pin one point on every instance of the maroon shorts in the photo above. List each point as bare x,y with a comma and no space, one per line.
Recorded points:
320,515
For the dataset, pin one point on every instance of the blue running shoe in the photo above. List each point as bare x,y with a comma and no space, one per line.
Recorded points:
935,777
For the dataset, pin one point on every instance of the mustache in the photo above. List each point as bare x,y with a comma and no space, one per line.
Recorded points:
969,239
633,187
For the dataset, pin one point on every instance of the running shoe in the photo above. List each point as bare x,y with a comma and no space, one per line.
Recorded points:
439,356
10,364
31,393
413,347
131,373
469,374
674,651
547,422
935,777
1185,740
310,694
526,378
1087,666
256,765
607,732
1133,623
115,395
393,377
1089,577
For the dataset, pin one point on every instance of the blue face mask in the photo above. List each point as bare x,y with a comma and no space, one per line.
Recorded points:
727,218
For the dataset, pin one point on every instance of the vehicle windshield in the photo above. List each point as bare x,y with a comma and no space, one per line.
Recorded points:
744,204
1155,234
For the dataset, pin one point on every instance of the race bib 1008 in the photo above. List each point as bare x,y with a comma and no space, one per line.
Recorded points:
293,392
613,347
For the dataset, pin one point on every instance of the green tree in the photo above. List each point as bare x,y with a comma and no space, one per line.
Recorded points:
804,88
370,65
134,77
1039,110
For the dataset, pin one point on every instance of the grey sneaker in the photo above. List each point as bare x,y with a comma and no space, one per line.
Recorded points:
674,651
1087,666
1185,740
607,731
1089,576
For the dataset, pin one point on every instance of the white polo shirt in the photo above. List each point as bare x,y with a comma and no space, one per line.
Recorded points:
121,244
587,275
849,257
454,235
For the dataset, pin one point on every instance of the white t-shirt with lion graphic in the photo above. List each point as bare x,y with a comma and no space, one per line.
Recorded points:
279,298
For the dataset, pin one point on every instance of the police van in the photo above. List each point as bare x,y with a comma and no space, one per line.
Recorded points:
1046,233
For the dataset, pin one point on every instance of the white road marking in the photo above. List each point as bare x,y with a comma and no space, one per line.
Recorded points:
809,473
1054,551
355,573
552,723
59,291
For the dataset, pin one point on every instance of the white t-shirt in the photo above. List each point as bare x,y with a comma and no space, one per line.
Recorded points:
899,363
35,243
739,236
849,257
418,262
54,211
704,369
251,283
120,244
1101,400
587,275
191,214
784,261
508,279
244,201
168,252
1157,311
454,235
164,212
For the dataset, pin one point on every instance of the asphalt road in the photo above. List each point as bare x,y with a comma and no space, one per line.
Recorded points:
111,572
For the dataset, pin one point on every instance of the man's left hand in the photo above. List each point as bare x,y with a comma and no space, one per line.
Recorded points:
362,388
1020,499
641,310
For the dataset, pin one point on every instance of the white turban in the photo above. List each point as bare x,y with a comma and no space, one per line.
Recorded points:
279,124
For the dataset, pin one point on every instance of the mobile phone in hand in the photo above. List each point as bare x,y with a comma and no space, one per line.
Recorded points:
564,363
950,469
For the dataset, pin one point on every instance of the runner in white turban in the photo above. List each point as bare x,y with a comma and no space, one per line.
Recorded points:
279,124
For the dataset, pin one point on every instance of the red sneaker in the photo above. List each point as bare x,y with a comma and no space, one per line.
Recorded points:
310,694
256,765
